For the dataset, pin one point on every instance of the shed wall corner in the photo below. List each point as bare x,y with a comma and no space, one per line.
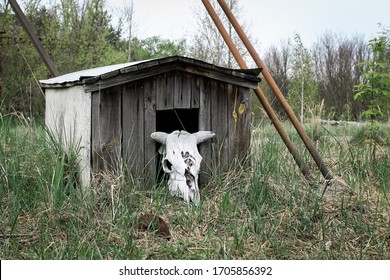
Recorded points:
68,117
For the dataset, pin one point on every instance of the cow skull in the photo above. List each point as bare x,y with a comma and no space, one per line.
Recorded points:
181,161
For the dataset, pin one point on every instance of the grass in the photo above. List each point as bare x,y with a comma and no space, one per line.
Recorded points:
263,210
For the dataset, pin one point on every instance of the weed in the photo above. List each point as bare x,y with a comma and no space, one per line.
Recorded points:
263,210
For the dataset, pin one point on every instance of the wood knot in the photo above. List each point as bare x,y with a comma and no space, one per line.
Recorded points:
241,108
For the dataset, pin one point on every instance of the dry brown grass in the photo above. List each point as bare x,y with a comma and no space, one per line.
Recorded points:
264,210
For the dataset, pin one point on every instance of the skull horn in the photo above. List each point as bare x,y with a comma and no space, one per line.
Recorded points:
202,136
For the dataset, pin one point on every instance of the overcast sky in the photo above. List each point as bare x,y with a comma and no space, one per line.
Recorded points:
271,20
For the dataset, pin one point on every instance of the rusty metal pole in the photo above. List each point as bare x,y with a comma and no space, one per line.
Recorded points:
271,82
260,95
34,38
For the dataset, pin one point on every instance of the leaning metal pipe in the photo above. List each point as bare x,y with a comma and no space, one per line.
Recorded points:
260,95
271,82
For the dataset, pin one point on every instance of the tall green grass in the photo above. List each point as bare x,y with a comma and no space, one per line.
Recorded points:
261,210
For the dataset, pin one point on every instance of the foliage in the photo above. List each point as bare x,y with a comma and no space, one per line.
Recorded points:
155,47
74,34
371,135
84,30
374,88
375,84
77,35
19,89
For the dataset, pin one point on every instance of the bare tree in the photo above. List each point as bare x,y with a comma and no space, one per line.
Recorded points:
277,59
207,43
128,11
337,61
303,94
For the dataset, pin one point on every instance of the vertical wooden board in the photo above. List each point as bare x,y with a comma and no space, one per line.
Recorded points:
95,143
176,78
133,126
204,104
232,94
242,123
106,129
183,90
150,153
219,123
195,91
164,97
205,149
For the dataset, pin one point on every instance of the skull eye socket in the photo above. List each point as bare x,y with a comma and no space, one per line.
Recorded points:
167,165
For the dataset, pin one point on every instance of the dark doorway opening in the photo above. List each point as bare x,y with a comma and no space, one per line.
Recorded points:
177,119
169,121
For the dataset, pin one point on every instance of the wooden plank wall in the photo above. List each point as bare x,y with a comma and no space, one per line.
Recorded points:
239,123
123,117
150,153
133,126
138,122
106,129
203,87
219,123
225,110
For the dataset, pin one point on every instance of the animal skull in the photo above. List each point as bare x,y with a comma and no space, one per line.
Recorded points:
181,160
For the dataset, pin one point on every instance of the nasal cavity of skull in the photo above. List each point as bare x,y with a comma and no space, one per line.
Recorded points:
188,159
190,179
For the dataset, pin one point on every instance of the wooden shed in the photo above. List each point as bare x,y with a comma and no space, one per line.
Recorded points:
111,111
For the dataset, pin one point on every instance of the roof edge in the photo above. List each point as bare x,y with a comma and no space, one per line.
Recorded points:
94,75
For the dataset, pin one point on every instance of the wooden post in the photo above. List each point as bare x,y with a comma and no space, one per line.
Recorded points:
34,38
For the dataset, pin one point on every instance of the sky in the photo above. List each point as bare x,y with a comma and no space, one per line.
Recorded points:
271,20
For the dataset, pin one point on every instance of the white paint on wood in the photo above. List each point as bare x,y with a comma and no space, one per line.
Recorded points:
68,117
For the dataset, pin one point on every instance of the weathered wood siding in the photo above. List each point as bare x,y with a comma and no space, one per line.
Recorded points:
150,155
133,124
239,123
225,110
124,116
106,129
